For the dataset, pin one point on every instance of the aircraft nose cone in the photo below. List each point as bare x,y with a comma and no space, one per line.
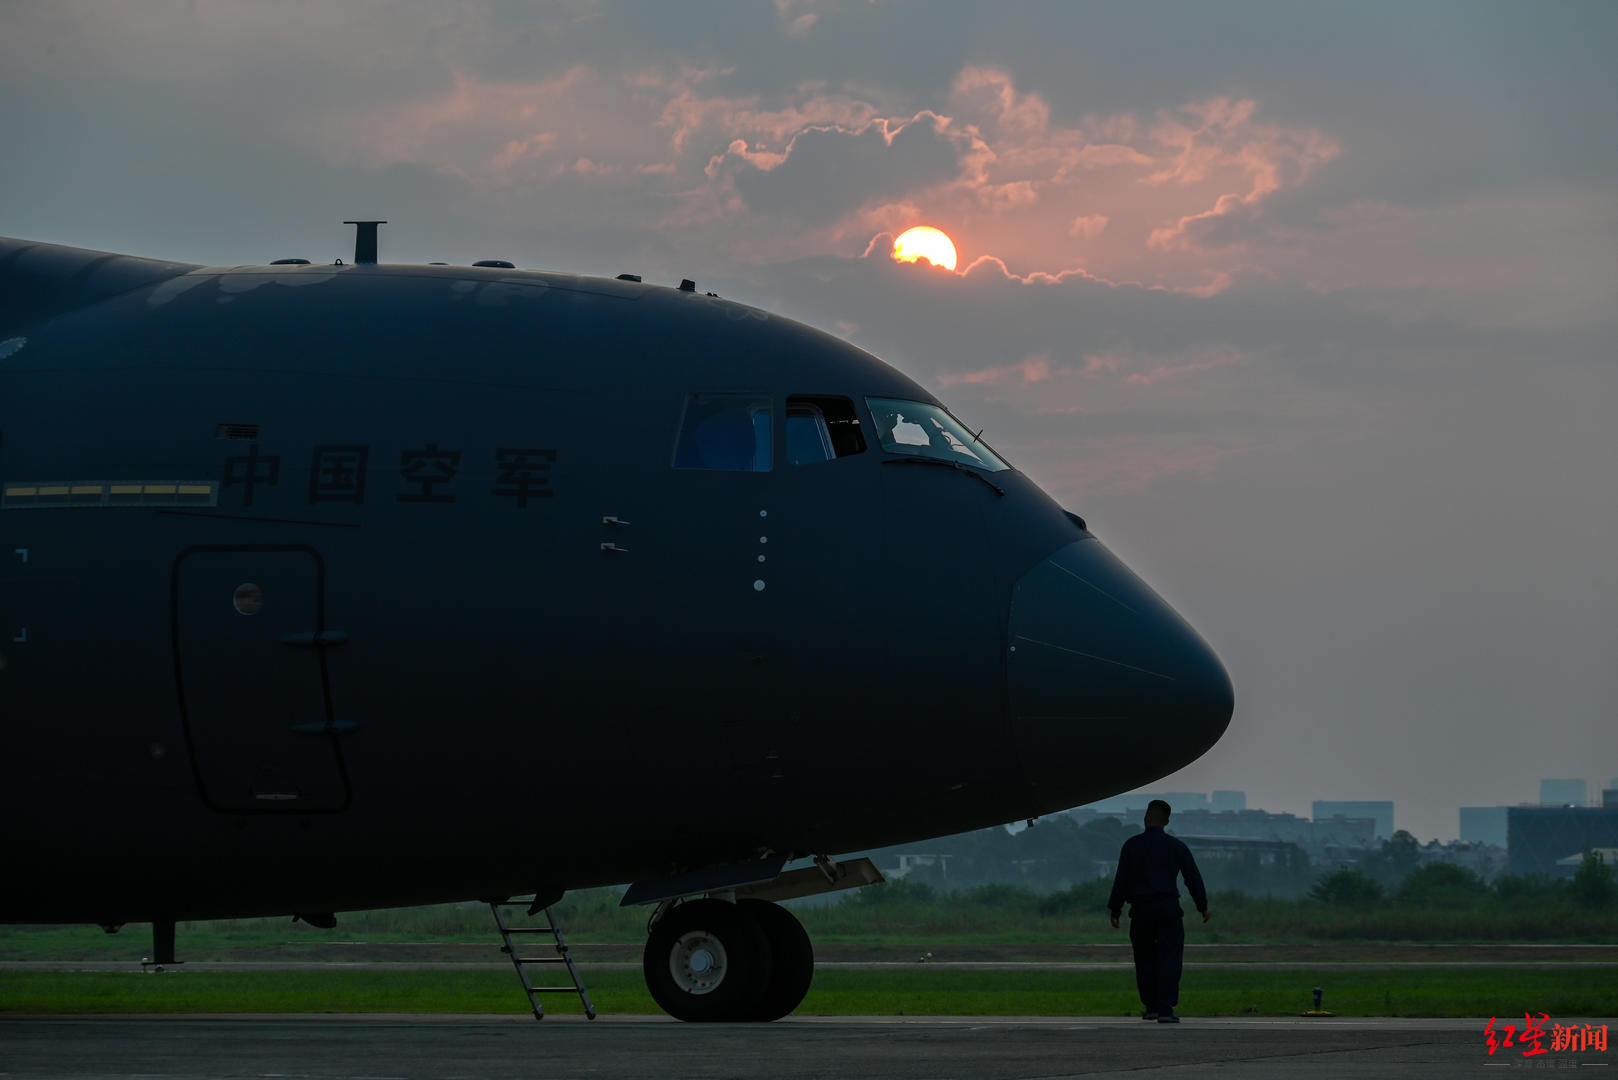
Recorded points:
1109,687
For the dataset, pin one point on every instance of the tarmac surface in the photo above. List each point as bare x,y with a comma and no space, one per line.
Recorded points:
130,947
440,1048
1591,966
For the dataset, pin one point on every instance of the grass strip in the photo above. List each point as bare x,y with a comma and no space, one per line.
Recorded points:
225,941
1502,991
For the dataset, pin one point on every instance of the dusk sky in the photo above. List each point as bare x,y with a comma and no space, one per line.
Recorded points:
1310,311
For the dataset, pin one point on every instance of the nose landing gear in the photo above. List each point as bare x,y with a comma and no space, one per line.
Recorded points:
713,960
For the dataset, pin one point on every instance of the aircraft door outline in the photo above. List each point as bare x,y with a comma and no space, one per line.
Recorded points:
253,681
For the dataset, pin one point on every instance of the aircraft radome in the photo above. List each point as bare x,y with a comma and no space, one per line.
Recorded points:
339,587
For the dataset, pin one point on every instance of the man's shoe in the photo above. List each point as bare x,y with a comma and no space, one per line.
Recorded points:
1148,1016
1168,1018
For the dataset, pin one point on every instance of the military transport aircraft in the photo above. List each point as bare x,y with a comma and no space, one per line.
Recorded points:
335,587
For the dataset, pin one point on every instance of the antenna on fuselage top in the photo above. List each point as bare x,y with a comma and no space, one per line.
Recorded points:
365,240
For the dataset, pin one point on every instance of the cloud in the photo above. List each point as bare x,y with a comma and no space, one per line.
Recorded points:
1096,156
1202,198
520,150
998,198
1132,189
1102,380
689,113
1200,360
1217,141
993,94
796,25
1099,363
1088,226
826,172
993,265
1032,369
486,131
695,152
1115,464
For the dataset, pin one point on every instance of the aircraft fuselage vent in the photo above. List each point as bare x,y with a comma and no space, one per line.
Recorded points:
236,431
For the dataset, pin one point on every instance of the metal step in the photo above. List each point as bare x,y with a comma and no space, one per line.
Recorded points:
520,962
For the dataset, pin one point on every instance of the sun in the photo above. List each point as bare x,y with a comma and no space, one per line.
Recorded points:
925,242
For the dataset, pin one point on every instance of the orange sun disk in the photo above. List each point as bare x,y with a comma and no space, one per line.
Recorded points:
925,242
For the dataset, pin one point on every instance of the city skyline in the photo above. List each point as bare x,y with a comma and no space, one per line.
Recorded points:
1137,800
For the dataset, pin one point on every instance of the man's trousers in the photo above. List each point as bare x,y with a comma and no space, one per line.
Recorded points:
1158,937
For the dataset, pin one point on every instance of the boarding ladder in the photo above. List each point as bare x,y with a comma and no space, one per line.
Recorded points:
521,962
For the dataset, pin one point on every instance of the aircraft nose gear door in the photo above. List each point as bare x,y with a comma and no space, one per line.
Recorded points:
251,654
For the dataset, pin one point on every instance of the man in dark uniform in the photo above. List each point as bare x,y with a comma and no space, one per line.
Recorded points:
1147,867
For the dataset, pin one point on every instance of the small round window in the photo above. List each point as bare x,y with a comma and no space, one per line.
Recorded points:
248,599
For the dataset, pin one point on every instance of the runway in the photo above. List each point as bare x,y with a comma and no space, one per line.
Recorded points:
441,1048
850,965
116,953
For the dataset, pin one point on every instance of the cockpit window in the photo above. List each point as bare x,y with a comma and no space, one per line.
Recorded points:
821,429
808,438
921,430
725,431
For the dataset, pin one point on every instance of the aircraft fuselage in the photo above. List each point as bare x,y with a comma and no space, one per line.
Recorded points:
337,587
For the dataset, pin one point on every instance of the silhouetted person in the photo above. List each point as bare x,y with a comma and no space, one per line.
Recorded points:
1147,867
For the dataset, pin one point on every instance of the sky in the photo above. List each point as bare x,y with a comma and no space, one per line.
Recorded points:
1309,310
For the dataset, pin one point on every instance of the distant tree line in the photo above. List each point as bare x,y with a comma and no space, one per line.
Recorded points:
1442,885
1435,902
1057,856
1057,853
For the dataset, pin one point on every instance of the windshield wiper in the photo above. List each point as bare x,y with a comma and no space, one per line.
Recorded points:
956,465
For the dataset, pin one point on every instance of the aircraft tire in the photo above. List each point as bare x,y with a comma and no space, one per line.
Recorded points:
708,960
794,967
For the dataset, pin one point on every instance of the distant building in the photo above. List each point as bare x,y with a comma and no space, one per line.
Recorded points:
1561,793
908,862
1339,837
1208,848
1330,840
1484,825
1134,802
1609,797
1380,812
1083,815
1344,831
1487,861
1538,838
1571,864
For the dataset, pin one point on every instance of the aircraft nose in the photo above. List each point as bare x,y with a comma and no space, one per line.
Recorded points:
1109,687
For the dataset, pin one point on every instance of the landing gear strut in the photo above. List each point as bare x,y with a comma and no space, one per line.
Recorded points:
162,947
712,960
